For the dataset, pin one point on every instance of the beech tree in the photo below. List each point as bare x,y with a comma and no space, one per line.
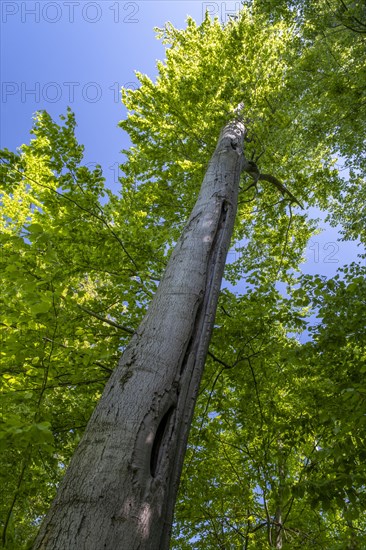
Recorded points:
274,458
135,441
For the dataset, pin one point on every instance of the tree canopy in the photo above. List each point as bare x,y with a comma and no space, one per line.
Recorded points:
276,455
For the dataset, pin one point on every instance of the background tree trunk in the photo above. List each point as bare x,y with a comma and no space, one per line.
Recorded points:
281,473
119,491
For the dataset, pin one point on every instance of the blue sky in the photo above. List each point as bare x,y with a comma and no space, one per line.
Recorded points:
80,53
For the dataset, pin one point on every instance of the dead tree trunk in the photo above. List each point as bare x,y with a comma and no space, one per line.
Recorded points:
120,489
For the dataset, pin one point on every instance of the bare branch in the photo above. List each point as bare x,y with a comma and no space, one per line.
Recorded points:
282,188
108,321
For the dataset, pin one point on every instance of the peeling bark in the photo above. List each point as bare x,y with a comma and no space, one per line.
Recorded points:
120,489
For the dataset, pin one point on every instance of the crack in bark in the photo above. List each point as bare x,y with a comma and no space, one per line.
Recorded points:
159,441
204,303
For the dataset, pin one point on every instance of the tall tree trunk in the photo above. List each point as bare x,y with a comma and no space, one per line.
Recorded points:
281,469
120,489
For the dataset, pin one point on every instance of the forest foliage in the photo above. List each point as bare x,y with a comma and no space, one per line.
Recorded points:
276,455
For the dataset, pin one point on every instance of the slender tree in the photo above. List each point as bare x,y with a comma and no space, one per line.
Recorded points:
135,441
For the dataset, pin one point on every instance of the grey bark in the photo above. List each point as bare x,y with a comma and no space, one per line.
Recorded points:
120,489
278,525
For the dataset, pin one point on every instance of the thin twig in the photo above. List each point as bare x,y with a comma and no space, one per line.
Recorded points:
104,320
